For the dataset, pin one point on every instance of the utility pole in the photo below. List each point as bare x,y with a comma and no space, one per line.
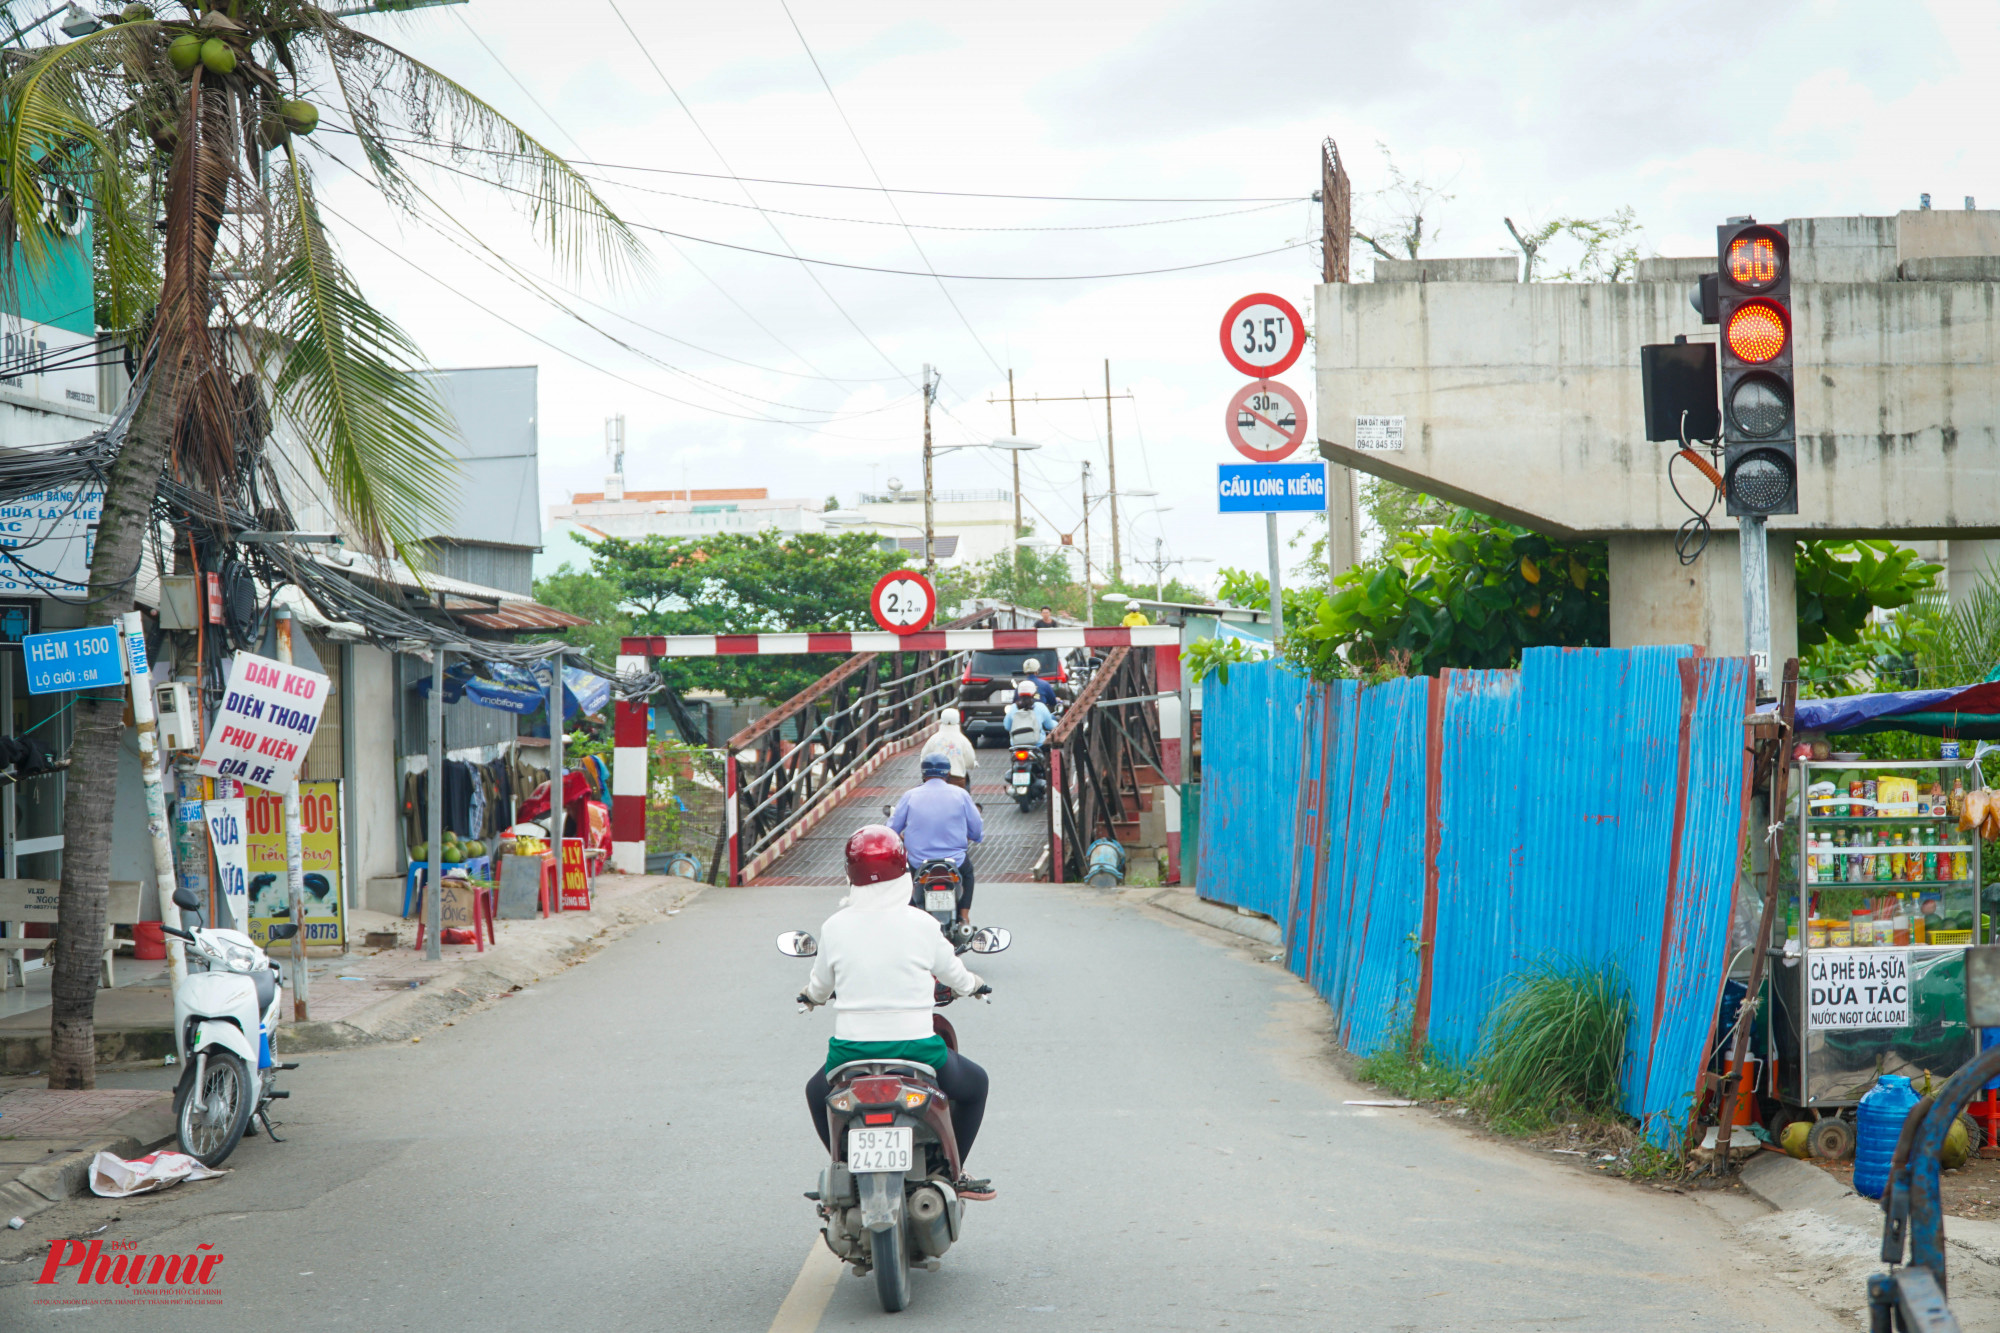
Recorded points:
1336,199
1277,594
295,866
1159,570
1111,468
1015,430
1089,593
930,559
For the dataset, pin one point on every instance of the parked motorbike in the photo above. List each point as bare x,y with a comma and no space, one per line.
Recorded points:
1028,779
224,1015
887,1200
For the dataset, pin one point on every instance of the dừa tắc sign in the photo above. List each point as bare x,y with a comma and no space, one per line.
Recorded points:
269,713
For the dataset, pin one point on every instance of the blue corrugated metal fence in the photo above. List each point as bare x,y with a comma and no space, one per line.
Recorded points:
1424,840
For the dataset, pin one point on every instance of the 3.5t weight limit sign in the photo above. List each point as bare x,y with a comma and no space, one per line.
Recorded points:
904,601
1262,335
1266,421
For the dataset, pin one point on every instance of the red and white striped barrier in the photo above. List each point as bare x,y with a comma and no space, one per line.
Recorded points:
880,641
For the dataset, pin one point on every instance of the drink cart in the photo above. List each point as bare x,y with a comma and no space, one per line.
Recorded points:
1869,976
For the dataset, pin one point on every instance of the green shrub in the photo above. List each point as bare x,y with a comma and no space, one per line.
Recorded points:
1556,1046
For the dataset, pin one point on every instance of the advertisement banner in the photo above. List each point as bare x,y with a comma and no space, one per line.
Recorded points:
47,538
575,883
268,716
319,838
226,829
1857,988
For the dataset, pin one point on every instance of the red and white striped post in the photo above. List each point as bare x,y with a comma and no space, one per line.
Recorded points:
1167,683
729,812
1055,815
628,770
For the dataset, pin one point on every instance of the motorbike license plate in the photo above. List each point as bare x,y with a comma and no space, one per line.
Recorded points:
887,1149
1020,782
939,900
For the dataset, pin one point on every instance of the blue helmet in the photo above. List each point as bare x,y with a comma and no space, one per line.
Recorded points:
936,766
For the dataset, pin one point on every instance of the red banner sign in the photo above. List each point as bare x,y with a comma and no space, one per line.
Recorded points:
575,883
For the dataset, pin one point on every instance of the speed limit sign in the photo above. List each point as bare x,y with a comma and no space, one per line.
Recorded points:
1266,421
904,601
1262,335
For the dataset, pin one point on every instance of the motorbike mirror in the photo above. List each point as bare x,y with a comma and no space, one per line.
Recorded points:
798,944
990,939
284,930
185,900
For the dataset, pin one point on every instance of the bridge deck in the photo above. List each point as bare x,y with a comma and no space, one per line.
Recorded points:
1014,842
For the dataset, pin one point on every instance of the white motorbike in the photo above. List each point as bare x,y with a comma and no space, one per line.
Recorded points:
224,1016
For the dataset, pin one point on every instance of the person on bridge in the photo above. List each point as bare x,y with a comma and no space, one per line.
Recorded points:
1045,689
877,959
1029,713
939,822
955,746
1048,620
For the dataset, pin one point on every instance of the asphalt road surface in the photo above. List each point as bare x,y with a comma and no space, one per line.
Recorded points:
624,1146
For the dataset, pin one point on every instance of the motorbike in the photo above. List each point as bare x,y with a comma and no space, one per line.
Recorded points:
1028,779
936,889
224,1016
887,1198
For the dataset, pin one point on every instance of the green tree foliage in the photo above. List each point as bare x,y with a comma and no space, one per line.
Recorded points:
591,594
1841,583
1602,249
1473,592
743,583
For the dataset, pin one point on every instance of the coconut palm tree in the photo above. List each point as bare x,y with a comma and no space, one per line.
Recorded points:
187,139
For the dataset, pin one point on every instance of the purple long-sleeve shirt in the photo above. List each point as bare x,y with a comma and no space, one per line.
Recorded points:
936,822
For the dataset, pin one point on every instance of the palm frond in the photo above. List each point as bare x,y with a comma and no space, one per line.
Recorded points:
386,91
349,380
68,117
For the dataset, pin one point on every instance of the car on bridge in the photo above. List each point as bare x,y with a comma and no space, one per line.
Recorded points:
987,688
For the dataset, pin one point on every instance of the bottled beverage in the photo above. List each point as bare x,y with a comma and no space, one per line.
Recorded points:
1954,804
1930,855
1897,861
1881,859
1961,865
1792,920
1900,927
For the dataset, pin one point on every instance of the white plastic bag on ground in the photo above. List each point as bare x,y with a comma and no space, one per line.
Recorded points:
113,1177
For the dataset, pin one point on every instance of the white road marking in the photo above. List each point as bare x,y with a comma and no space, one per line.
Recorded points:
806,1301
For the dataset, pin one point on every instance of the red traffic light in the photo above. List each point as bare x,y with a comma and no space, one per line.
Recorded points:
1757,331
1755,260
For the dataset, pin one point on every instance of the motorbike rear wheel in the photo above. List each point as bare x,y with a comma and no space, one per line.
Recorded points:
228,1096
892,1268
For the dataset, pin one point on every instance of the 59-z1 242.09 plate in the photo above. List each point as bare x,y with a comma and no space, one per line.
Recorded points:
939,900
880,1149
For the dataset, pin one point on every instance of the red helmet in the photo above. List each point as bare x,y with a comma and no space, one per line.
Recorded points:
875,854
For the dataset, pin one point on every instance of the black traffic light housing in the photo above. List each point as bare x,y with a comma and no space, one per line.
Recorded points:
1753,305
1679,383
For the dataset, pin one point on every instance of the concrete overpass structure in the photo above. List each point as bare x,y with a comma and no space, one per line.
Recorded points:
1524,400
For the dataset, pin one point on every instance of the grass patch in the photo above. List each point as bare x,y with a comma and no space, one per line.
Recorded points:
1429,1078
1557,1044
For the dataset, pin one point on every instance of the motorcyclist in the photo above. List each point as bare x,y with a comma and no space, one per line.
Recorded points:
1029,714
876,963
955,746
939,822
1045,689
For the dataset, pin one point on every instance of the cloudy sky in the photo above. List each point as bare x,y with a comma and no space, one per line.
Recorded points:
1156,137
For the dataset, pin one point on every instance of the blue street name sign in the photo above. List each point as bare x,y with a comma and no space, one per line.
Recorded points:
73,659
1271,488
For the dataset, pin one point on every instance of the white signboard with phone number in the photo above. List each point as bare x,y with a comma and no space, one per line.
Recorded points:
1849,989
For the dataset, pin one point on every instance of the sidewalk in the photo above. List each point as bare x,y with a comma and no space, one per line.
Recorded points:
47,1138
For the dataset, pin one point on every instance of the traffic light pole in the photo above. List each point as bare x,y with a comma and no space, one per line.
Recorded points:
1756,597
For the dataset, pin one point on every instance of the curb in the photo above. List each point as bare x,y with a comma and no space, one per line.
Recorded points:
46,1184
489,975
1186,903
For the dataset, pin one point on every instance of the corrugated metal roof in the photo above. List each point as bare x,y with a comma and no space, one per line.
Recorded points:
520,614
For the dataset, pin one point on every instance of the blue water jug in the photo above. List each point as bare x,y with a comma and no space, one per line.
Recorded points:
1879,1124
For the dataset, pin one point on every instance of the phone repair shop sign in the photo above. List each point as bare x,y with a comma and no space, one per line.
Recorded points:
269,713
1848,989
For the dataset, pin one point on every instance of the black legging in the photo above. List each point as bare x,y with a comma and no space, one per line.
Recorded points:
962,1081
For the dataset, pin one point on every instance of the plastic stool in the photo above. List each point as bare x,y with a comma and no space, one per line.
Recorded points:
485,906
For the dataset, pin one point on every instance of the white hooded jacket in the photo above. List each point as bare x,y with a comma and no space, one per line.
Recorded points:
952,743
877,956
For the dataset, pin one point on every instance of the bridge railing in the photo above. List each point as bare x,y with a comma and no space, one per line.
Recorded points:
1107,747
844,725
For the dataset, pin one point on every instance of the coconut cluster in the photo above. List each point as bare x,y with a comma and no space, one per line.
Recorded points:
219,51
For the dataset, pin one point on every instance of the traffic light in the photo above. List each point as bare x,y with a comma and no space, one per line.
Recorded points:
1760,466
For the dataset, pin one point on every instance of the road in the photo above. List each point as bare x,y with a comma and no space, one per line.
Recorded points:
623,1147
